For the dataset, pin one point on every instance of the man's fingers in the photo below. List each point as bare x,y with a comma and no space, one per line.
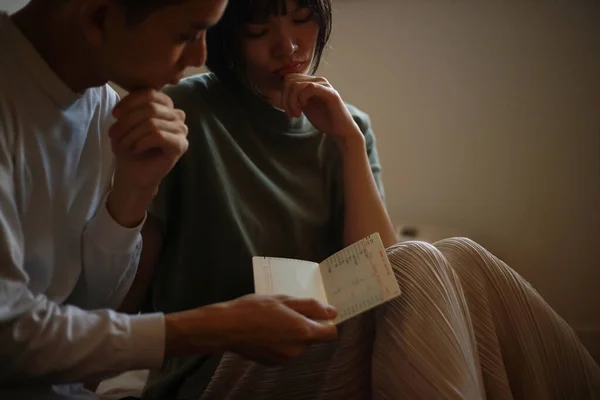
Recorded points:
169,144
310,308
138,98
318,318
149,128
323,332
140,115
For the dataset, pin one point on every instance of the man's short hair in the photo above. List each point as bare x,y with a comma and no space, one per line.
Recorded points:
137,10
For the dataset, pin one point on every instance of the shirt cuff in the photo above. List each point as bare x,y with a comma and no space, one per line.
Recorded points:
147,340
110,236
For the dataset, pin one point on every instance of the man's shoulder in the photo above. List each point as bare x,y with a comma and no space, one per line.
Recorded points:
97,105
10,111
104,95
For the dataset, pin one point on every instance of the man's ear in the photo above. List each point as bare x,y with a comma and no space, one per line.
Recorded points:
99,18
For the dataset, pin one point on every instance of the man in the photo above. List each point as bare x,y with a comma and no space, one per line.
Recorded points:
78,169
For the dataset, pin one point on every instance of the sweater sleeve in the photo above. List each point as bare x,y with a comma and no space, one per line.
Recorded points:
364,123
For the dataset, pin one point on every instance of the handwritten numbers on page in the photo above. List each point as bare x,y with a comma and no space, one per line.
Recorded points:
362,280
354,280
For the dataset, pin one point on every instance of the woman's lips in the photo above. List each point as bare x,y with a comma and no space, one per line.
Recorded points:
291,68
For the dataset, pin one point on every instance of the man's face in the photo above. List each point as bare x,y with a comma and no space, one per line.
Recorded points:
156,49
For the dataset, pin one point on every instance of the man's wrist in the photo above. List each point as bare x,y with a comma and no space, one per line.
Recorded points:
127,206
195,331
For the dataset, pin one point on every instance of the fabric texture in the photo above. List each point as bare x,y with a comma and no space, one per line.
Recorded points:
253,183
465,327
60,251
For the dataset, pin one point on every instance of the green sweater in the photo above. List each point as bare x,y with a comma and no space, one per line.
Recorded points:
253,182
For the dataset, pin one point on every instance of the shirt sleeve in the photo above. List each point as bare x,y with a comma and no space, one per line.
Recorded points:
46,341
110,257
110,252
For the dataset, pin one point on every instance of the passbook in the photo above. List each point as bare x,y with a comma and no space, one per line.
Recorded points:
353,280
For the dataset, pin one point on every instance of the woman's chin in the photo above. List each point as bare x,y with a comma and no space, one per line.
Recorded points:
274,98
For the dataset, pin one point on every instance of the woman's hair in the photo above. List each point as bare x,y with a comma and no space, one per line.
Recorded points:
222,40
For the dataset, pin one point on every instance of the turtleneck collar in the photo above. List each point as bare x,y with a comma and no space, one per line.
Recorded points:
263,114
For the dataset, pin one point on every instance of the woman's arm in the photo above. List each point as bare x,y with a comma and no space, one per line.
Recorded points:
364,210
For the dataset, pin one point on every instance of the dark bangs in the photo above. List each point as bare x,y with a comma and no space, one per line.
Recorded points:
258,11
222,40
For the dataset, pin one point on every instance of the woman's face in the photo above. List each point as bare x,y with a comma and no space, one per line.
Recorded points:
279,45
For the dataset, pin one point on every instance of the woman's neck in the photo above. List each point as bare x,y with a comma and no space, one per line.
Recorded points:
274,99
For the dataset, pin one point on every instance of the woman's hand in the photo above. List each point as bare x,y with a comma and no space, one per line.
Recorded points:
320,102
365,212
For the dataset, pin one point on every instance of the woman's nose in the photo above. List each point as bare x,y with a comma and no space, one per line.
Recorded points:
286,44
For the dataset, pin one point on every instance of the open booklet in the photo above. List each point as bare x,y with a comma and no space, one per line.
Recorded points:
353,280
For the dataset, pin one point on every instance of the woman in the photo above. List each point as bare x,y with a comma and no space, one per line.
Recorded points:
279,166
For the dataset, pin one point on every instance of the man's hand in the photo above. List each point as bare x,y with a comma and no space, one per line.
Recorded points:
148,138
265,329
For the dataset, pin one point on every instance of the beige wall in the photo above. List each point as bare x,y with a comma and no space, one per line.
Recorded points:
488,119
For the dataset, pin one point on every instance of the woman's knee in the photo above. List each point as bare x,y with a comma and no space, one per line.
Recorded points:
473,263
461,244
462,252
417,251
418,265
416,254
431,302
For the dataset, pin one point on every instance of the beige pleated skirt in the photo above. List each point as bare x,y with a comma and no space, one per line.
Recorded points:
466,327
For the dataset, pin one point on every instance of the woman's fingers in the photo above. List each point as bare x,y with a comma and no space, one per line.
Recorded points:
298,90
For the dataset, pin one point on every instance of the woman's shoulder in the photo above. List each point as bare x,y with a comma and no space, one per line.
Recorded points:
361,118
194,89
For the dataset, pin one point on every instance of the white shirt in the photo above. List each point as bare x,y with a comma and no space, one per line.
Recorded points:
60,251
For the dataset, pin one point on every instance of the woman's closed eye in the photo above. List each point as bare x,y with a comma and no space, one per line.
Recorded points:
254,31
303,15
257,30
